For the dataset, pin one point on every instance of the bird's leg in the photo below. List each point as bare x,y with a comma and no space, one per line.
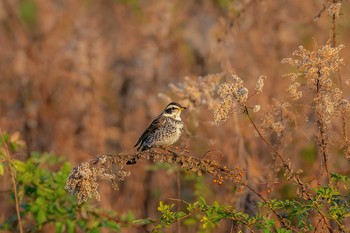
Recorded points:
174,154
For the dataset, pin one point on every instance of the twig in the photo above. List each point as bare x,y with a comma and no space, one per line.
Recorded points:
281,219
83,178
295,177
320,13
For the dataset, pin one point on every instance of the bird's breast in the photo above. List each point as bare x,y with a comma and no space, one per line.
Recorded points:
172,131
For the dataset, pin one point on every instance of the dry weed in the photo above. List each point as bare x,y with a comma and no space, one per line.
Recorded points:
83,178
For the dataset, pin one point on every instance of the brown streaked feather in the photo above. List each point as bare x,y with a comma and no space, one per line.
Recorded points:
159,121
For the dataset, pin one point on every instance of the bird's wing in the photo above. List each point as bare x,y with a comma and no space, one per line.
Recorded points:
158,122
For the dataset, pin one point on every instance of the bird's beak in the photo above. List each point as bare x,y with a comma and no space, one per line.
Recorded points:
182,108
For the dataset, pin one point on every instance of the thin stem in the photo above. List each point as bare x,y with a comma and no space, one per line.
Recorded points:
333,27
282,221
13,179
263,138
274,150
322,137
334,43
178,189
16,200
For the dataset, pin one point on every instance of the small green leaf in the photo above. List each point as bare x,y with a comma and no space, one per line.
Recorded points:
1,169
5,138
143,221
161,206
180,214
19,165
202,201
282,230
82,223
94,230
337,177
59,227
190,221
111,225
71,226
41,217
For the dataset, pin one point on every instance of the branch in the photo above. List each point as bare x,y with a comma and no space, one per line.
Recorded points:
83,178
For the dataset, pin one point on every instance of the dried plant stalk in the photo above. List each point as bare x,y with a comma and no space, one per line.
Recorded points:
83,178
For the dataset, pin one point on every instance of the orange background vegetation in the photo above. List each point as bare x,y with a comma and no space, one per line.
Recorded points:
82,78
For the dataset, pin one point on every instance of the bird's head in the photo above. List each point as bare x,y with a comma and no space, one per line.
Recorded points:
173,110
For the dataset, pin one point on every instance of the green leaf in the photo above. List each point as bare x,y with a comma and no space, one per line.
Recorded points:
41,217
1,169
40,201
94,230
190,221
60,209
143,221
5,138
59,227
161,206
71,226
28,11
43,192
337,177
180,214
202,201
82,223
3,153
19,165
111,225
282,230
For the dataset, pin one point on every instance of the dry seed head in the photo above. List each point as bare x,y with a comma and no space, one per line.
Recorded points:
316,67
333,8
223,110
230,93
277,127
321,62
82,181
293,92
331,103
197,91
256,108
260,84
277,117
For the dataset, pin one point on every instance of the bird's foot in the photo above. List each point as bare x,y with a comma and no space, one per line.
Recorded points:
133,160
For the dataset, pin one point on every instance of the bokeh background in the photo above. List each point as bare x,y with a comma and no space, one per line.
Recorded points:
83,78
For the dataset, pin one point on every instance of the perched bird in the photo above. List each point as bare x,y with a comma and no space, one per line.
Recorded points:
165,130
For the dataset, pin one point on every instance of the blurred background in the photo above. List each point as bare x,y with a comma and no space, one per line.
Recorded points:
83,78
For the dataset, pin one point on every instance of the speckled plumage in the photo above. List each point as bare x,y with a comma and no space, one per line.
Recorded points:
165,130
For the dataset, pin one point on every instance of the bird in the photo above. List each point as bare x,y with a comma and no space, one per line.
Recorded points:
165,129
